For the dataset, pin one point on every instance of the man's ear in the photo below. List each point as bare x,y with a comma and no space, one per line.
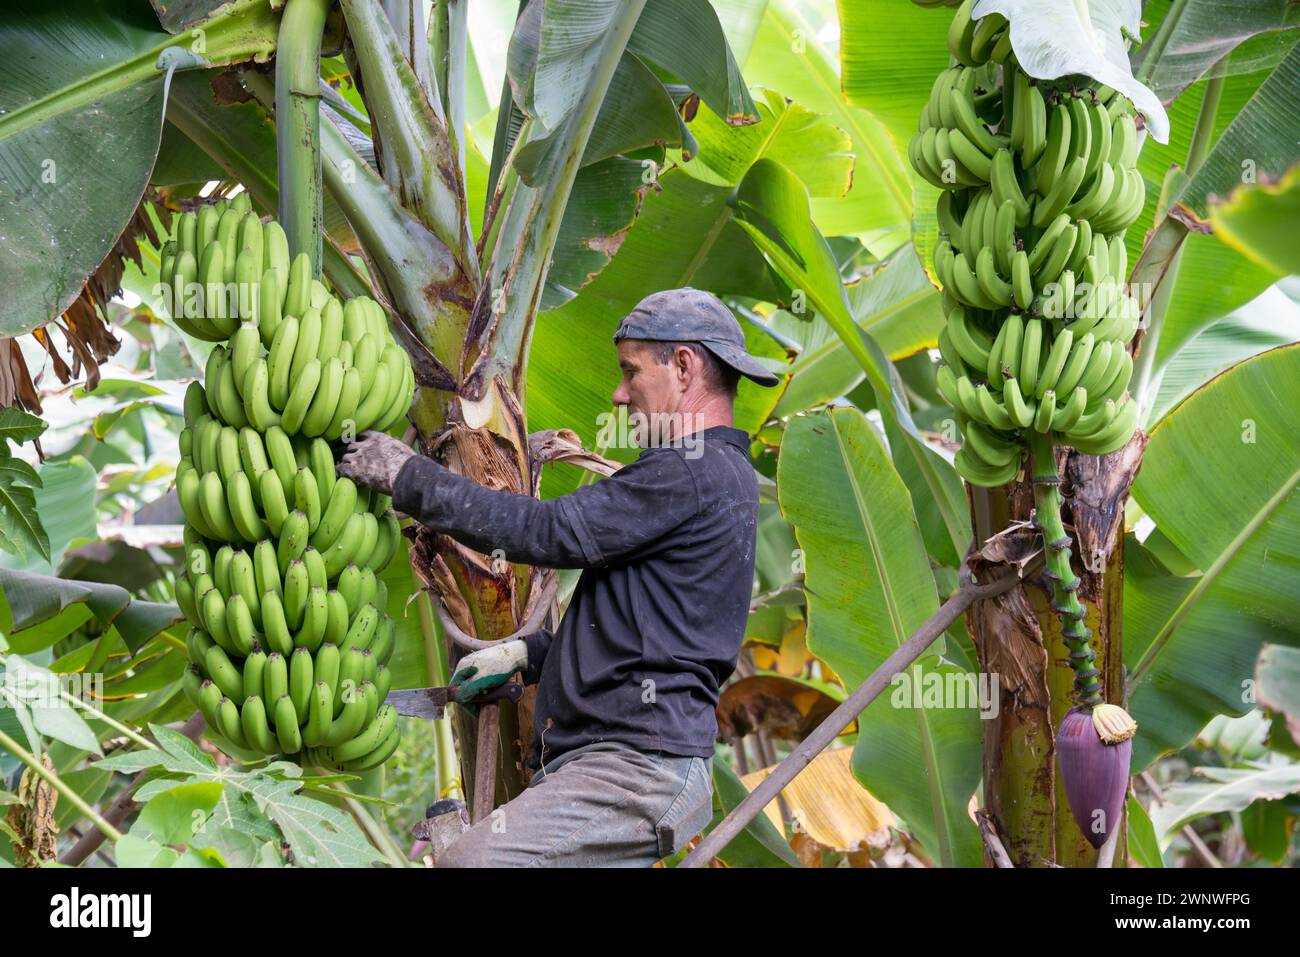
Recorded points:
686,364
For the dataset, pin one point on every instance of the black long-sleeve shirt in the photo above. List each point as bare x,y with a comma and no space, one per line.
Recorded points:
656,621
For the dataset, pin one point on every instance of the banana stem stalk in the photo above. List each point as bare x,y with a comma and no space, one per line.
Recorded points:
1065,584
297,129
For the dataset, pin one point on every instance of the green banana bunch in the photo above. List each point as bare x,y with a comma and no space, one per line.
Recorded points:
1039,184
290,640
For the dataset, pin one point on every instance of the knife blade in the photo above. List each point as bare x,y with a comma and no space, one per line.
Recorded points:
431,703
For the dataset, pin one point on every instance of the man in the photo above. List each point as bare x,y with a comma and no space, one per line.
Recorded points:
628,684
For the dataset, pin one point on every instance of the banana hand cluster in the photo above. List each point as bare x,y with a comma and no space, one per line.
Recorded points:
290,354
290,639
1039,183
280,661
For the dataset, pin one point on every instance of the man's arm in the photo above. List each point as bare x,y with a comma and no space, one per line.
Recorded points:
607,521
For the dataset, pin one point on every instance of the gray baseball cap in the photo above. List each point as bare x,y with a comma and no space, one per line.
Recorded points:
693,315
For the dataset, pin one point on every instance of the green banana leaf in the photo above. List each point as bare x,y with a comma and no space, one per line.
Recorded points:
65,500
1154,159
685,39
870,587
1218,478
97,83
890,57
1266,322
1260,141
22,532
176,15
31,601
806,143
408,665
890,73
895,305
1142,843
1205,33
604,204
1211,278
1259,221
637,112
774,210
759,844
1228,789
562,58
788,56
1267,827
420,165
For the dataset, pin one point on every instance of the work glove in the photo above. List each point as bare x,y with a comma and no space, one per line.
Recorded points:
373,460
481,671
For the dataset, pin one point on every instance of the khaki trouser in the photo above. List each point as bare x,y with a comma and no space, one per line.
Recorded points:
601,805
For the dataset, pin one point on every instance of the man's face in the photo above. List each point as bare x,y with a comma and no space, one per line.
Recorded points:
647,388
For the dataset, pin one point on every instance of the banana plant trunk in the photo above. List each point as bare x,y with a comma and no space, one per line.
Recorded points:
484,594
1017,636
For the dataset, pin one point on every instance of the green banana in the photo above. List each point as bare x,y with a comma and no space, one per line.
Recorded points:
293,540
320,715
296,587
336,622
275,625
1052,203
280,361
308,345
286,725
315,619
342,500
279,449
239,498
257,403
298,294
254,670
300,682
274,505
377,756
390,534
239,624
227,677
300,398
306,496
209,699
275,677
257,731
228,723
383,724
349,717
362,630
345,547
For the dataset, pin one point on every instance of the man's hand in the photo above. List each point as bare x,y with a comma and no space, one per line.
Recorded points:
373,460
490,668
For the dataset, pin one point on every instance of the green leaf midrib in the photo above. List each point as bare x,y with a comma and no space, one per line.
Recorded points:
1187,605
934,769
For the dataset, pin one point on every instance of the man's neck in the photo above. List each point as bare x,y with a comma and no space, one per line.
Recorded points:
687,422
